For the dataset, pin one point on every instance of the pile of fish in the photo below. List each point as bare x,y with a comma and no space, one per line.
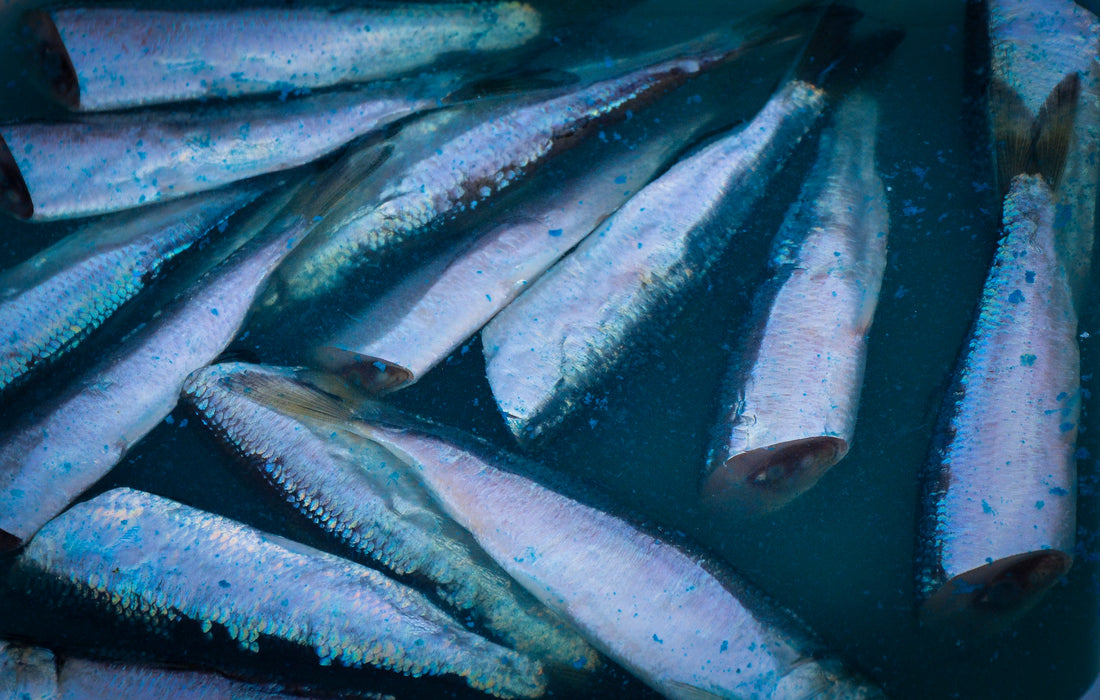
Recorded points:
304,167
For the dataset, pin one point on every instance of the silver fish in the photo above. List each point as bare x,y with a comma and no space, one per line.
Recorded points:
417,323
548,347
362,495
104,163
668,617
56,452
998,516
450,162
157,562
1035,44
112,58
789,407
35,673
49,302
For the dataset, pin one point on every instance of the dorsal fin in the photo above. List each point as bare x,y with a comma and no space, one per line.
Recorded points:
1054,128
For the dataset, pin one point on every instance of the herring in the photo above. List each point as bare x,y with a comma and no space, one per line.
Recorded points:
789,406
159,562
114,58
51,301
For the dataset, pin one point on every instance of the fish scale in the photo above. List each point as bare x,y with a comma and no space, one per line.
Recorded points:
142,546
363,495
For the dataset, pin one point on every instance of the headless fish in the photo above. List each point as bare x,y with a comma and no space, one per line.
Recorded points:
362,495
789,409
545,350
660,612
34,673
451,161
113,58
158,561
417,323
105,163
51,301
62,448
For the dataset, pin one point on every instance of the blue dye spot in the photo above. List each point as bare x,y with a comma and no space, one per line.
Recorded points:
378,365
554,232
1016,297
1066,427
1081,453
578,663
658,640
620,180
725,646
1027,360
169,420
1039,505
223,583
214,311
183,423
1058,491
1029,277
986,508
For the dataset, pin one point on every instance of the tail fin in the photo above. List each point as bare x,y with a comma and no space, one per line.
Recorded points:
833,56
1027,144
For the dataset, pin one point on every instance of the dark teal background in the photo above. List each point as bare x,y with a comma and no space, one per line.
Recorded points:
841,556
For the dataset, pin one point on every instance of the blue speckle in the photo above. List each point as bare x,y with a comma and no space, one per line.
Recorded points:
379,365
1027,360
1066,427
1058,491
223,583
169,420
554,232
214,311
1039,505
986,508
1016,297
620,180
658,639
1029,277
725,646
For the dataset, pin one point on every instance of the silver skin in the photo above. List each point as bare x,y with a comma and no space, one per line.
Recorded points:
156,562
789,406
64,446
361,494
660,612
109,58
49,302
417,323
450,161
1034,45
34,673
998,516
105,163
546,349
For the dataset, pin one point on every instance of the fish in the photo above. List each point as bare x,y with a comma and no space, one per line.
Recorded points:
997,522
35,673
158,562
116,58
450,162
1034,46
60,448
414,325
789,406
361,494
104,163
55,298
681,623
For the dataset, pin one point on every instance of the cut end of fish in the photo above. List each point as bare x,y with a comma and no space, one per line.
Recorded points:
1000,591
8,541
14,195
767,478
54,60
372,374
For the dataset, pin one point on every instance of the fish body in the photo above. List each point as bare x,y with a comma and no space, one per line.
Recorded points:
34,673
363,495
546,349
51,301
789,407
417,323
157,561
998,523
104,163
62,448
660,612
448,163
1034,46
100,58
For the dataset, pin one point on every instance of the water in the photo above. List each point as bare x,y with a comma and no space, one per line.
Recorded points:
840,556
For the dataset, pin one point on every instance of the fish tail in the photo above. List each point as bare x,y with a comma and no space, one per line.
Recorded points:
1027,144
833,56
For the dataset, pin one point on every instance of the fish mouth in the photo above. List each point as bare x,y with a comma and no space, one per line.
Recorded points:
9,541
767,478
54,60
1005,589
372,374
15,198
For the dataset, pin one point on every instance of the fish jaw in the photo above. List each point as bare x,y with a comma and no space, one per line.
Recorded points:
764,479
